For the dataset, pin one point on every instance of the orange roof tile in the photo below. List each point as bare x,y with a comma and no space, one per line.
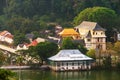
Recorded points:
3,32
33,43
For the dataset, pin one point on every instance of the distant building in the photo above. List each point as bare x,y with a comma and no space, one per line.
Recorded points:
118,36
69,33
6,36
22,47
93,35
70,60
36,41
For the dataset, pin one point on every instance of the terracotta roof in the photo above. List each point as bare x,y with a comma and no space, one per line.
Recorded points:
3,32
33,43
69,31
6,34
9,36
90,26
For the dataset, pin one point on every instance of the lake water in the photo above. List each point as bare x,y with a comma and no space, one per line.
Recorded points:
51,75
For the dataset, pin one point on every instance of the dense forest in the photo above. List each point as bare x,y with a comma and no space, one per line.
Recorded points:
26,16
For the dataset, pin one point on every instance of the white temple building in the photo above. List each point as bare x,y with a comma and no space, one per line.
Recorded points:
66,60
93,35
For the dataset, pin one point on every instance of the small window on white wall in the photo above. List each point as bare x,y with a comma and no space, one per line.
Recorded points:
96,33
88,40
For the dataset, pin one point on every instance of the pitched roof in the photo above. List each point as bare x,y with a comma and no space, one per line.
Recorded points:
3,32
90,26
6,34
69,31
69,55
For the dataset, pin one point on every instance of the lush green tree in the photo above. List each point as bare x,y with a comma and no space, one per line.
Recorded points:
67,43
103,16
46,49
24,25
91,53
82,48
19,38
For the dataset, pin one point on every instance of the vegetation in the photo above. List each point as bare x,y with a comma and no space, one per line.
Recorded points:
103,16
6,74
2,58
35,15
91,53
45,50
67,43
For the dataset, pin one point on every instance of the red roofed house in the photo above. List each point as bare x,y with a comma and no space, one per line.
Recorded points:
33,43
6,36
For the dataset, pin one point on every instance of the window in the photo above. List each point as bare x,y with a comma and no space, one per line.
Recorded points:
88,40
93,33
96,33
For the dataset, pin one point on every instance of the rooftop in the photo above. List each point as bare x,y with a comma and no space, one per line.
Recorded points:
90,26
69,55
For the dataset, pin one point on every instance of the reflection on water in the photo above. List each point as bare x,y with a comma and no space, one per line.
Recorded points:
83,75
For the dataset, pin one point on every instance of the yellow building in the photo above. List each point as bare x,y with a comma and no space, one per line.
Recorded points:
69,33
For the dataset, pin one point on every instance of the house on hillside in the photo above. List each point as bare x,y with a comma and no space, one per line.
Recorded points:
22,47
36,41
6,36
66,60
69,33
93,35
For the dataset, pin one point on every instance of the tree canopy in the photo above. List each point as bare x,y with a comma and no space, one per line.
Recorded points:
46,49
68,43
102,15
91,53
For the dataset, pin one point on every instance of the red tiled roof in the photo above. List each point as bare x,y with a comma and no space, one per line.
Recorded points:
3,32
9,36
33,43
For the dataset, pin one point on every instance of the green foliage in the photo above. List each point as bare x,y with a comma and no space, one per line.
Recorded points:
34,15
46,49
91,53
104,16
82,48
109,46
117,47
107,62
24,25
20,38
2,58
5,74
67,43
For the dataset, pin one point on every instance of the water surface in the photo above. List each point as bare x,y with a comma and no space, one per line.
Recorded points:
78,75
